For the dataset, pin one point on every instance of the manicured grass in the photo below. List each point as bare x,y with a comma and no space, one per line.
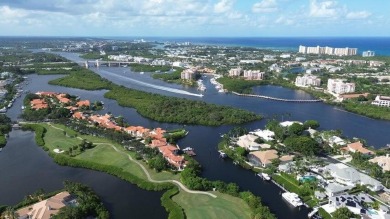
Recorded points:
203,206
194,205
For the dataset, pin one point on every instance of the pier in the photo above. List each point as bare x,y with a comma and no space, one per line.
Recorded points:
277,99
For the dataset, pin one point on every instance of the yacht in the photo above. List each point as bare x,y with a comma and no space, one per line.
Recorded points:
222,154
142,72
292,198
264,176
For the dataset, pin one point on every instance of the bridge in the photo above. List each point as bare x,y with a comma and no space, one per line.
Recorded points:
98,63
277,99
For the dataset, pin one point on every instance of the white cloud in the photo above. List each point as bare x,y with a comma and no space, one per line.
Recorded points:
265,6
223,6
358,15
324,9
284,21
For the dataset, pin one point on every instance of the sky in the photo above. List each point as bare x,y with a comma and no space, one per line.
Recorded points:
195,18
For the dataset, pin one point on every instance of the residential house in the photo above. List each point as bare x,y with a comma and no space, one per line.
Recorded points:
45,209
289,123
83,103
335,140
382,161
381,101
262,158
248,142
62,98
38,104
358,147
265,134
334,189
78,115
354,203
346,175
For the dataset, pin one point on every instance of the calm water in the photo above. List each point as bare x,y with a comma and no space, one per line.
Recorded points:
25,168
205,139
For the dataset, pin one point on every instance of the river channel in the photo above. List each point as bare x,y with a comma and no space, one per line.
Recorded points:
203,139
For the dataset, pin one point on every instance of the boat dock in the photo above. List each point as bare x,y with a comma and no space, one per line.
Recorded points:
277,99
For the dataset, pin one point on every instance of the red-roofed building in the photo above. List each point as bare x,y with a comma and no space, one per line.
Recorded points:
358,147
157,143
62,98
78,115
83,103
38,104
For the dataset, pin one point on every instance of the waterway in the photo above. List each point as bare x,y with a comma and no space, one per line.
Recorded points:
205,139
25,168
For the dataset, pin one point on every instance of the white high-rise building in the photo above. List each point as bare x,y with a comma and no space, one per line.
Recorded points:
235,72
253,75
368,53
338,86
328,50
307,80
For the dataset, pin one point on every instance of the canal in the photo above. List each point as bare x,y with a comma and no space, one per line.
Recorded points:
205,139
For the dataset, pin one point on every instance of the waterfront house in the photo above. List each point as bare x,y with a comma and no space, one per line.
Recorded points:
43,93
287,167
333,189
45,209
335,140
158,143
382,161
346,175
286,159
289,123
262,158
265,134
358,147
83,103
248,142
78,115
38,104
381,101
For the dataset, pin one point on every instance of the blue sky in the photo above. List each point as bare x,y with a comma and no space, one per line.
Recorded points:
259,18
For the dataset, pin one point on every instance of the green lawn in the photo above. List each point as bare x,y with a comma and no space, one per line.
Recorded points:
202,206
195,205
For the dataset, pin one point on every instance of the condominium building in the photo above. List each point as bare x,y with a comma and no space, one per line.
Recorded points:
253,75
235,72
307,80
188,74
368,53
338,86
381,101
328,50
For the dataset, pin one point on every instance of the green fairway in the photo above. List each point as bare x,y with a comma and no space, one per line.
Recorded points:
194,205
202,206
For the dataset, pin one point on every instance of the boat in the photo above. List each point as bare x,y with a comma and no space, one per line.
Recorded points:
142,72
265,176
292,198
221,91
222,154
1,149
188,149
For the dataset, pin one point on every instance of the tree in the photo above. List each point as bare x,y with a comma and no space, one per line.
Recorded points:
295,129
302,144
343,213
311,124
158,163
241,151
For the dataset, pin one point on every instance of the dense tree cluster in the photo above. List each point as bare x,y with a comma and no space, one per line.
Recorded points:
178,110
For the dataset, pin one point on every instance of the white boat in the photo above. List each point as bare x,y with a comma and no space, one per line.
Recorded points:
188,149
222,154
142,72
292,198
1,149
264,176
221,91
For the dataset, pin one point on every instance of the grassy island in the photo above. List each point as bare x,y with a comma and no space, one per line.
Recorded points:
158,107
239,85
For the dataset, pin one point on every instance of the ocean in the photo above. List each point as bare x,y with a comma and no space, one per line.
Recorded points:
381,45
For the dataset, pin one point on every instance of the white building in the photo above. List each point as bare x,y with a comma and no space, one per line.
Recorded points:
368,53
235,72
285,56
269,58
253,75
307,80
328,50
338,86
381,101
248,142
265,134
349,176
188,74
178,64
300,59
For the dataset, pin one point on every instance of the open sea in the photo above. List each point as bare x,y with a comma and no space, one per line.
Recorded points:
381,45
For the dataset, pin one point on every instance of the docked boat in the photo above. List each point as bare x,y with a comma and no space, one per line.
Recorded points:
292,198
265,176
142,72
222,154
